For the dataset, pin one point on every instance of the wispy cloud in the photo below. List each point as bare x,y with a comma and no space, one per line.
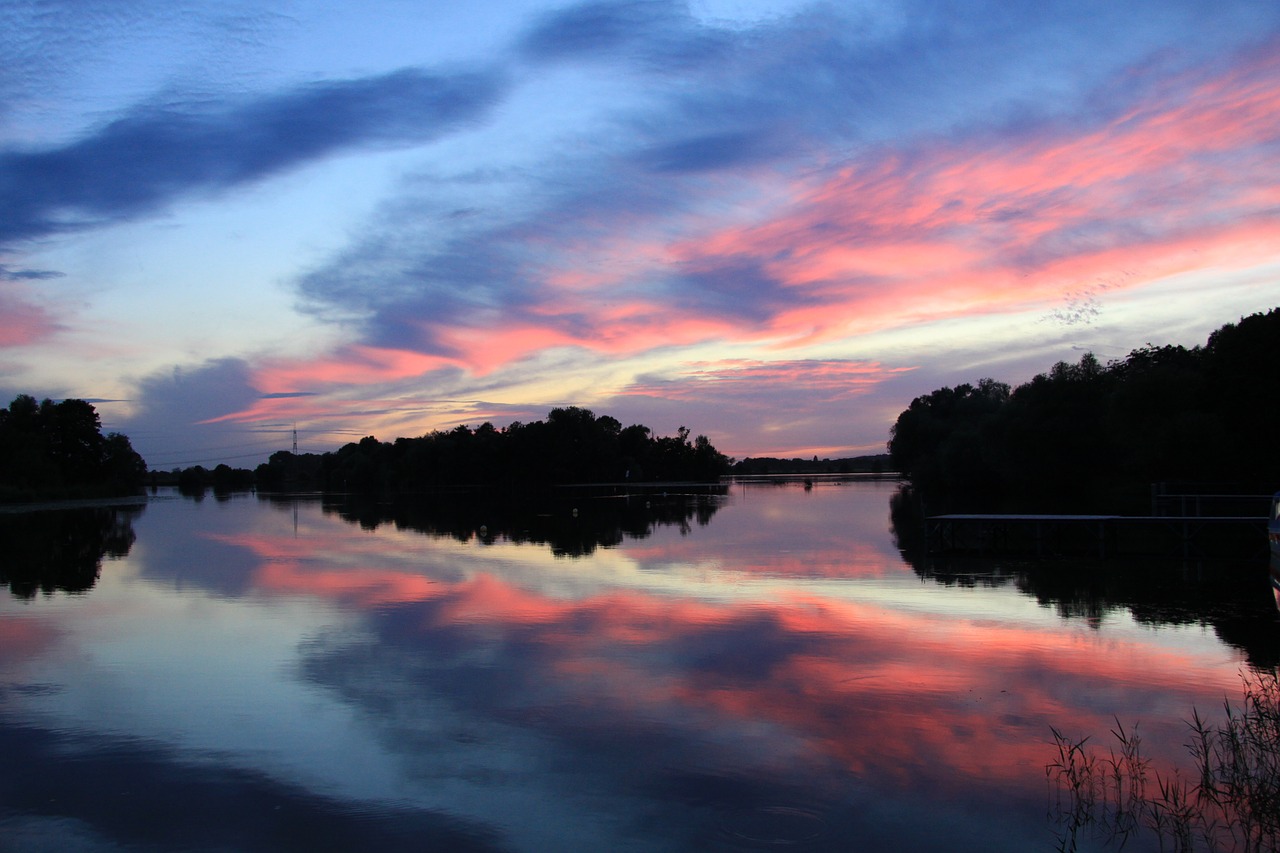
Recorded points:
628,204
812,379
995,219
9,274
23,321
158,153
659,35
775,408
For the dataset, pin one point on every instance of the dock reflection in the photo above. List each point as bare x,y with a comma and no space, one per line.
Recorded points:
1230,595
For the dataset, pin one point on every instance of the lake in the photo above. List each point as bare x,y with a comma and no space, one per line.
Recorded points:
755,669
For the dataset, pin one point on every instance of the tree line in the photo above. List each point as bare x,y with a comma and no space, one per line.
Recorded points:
1094,437
764,465
572,445
50,449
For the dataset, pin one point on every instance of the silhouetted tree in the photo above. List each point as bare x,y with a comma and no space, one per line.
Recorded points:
1055,438
1093,437
1161,418
58,449
572,445
285,471
952,435
193,480
755,465
1241,388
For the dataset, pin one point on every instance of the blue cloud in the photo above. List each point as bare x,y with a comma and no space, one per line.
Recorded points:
710,151
395,280
659,34
827,87
156,154
8,273
738,290
170,404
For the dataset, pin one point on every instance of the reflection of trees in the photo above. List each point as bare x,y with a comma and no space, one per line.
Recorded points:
1230,596
62,549
573,522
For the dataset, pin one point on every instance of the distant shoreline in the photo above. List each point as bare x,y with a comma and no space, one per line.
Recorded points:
73,503
51,504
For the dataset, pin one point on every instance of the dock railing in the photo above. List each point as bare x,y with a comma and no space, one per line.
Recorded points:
1203,500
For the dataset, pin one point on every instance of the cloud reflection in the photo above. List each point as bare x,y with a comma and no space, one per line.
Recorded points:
121,791
685,688
825,680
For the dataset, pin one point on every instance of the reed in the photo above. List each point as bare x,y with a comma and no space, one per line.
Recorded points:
1227,801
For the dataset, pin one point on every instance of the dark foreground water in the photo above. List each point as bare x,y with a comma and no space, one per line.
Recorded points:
760,670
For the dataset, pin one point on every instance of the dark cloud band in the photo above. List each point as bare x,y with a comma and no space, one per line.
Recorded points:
155,154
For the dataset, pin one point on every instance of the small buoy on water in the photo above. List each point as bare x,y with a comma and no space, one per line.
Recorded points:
575,512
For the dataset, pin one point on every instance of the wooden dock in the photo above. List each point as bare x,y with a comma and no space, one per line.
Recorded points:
1185,536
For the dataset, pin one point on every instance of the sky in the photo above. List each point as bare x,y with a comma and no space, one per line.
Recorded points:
775,223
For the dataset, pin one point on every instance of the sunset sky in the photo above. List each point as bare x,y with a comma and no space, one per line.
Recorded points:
773,222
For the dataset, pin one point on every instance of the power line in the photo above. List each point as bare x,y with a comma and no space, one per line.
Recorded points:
165,459
243,446
202,461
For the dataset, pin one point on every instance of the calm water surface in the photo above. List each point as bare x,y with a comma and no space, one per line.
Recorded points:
756,670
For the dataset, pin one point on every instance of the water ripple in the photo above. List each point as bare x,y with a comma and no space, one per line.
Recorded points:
773,826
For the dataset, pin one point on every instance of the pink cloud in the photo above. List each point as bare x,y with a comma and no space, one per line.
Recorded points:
24,639
1184,181
746,379
846,655
23,323
1187,181
611,328
352,365
293,389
